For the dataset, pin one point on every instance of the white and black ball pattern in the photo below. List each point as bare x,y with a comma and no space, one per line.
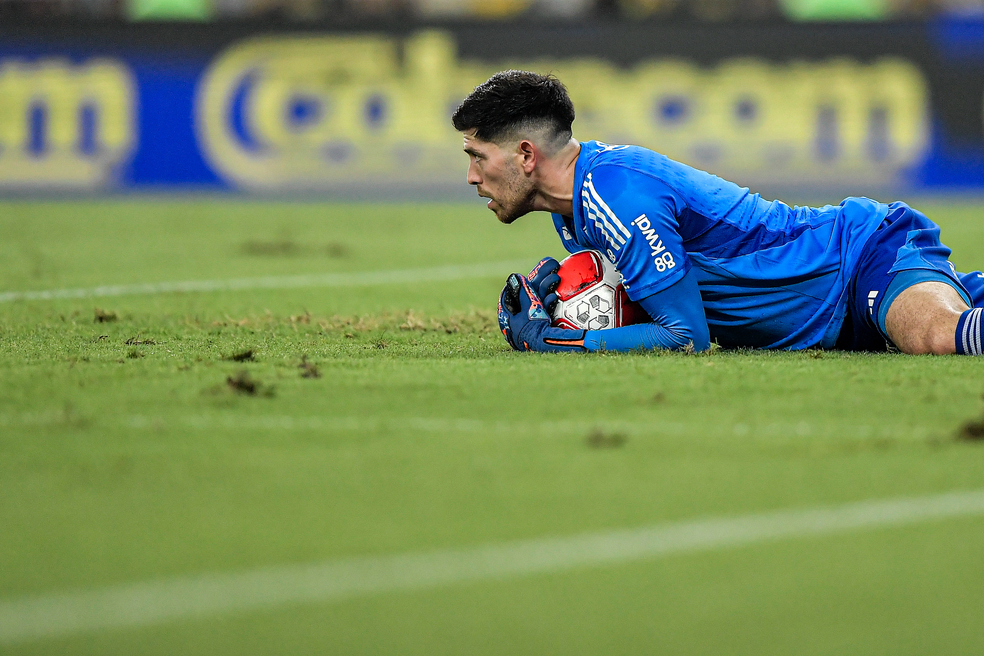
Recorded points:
591,295
595,312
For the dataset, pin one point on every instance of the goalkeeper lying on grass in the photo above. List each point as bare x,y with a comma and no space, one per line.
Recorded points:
707,259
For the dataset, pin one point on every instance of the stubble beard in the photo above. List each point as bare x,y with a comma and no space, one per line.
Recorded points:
521,195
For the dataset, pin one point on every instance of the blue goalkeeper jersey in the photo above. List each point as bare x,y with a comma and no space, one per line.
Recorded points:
770,275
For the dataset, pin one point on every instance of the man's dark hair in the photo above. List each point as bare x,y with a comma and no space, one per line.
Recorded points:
511,102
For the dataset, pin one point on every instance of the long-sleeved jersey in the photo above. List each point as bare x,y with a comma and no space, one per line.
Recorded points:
769,275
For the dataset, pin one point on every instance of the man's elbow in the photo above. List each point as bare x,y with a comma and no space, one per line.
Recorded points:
701,339
695,340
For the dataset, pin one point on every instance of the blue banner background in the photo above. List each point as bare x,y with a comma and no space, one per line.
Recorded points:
163,68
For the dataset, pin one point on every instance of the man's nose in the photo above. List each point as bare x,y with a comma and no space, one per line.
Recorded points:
473,177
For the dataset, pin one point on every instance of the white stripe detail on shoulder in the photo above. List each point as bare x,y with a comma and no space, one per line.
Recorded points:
596,217
604,206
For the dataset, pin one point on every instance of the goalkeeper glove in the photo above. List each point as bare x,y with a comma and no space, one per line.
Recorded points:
525,323
544,280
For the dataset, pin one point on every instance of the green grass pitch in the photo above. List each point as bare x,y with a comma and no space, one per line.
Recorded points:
153,436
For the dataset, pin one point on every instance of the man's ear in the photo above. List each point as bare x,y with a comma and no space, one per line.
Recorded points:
529,155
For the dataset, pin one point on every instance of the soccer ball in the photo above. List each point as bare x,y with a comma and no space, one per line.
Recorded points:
591,295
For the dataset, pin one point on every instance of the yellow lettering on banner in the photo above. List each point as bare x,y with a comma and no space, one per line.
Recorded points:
309,112
298,112
62,124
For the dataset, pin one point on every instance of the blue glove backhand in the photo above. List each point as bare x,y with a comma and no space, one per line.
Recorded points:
526,324
543,280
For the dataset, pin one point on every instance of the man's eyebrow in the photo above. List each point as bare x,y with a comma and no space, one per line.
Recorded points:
472,151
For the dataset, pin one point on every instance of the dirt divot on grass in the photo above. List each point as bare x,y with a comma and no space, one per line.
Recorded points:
308,369
248,355
104,316
972,431
335,249
136,341
242,383
601,439
287,247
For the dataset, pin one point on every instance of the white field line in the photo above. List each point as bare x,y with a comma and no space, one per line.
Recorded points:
364,279
195,597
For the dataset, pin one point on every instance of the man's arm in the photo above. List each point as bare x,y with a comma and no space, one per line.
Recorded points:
678,320
632,217
677,312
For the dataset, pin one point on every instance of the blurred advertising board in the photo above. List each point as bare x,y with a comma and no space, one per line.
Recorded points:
184,107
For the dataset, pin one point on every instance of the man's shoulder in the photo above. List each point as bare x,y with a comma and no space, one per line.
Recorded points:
631,157
624,164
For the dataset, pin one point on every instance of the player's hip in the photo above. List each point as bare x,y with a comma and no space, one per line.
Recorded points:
904,250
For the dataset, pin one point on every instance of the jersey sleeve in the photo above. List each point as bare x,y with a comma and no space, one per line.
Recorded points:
677,321
633,218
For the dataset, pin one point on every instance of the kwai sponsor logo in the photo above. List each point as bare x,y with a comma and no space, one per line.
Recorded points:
662,258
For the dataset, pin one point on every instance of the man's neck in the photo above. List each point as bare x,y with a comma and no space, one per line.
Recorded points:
555,187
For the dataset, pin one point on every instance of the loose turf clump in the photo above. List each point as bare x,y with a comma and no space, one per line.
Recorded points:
104,316
249,355
308,369
972,431
243,383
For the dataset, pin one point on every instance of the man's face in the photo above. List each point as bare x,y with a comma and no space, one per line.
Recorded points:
497,174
